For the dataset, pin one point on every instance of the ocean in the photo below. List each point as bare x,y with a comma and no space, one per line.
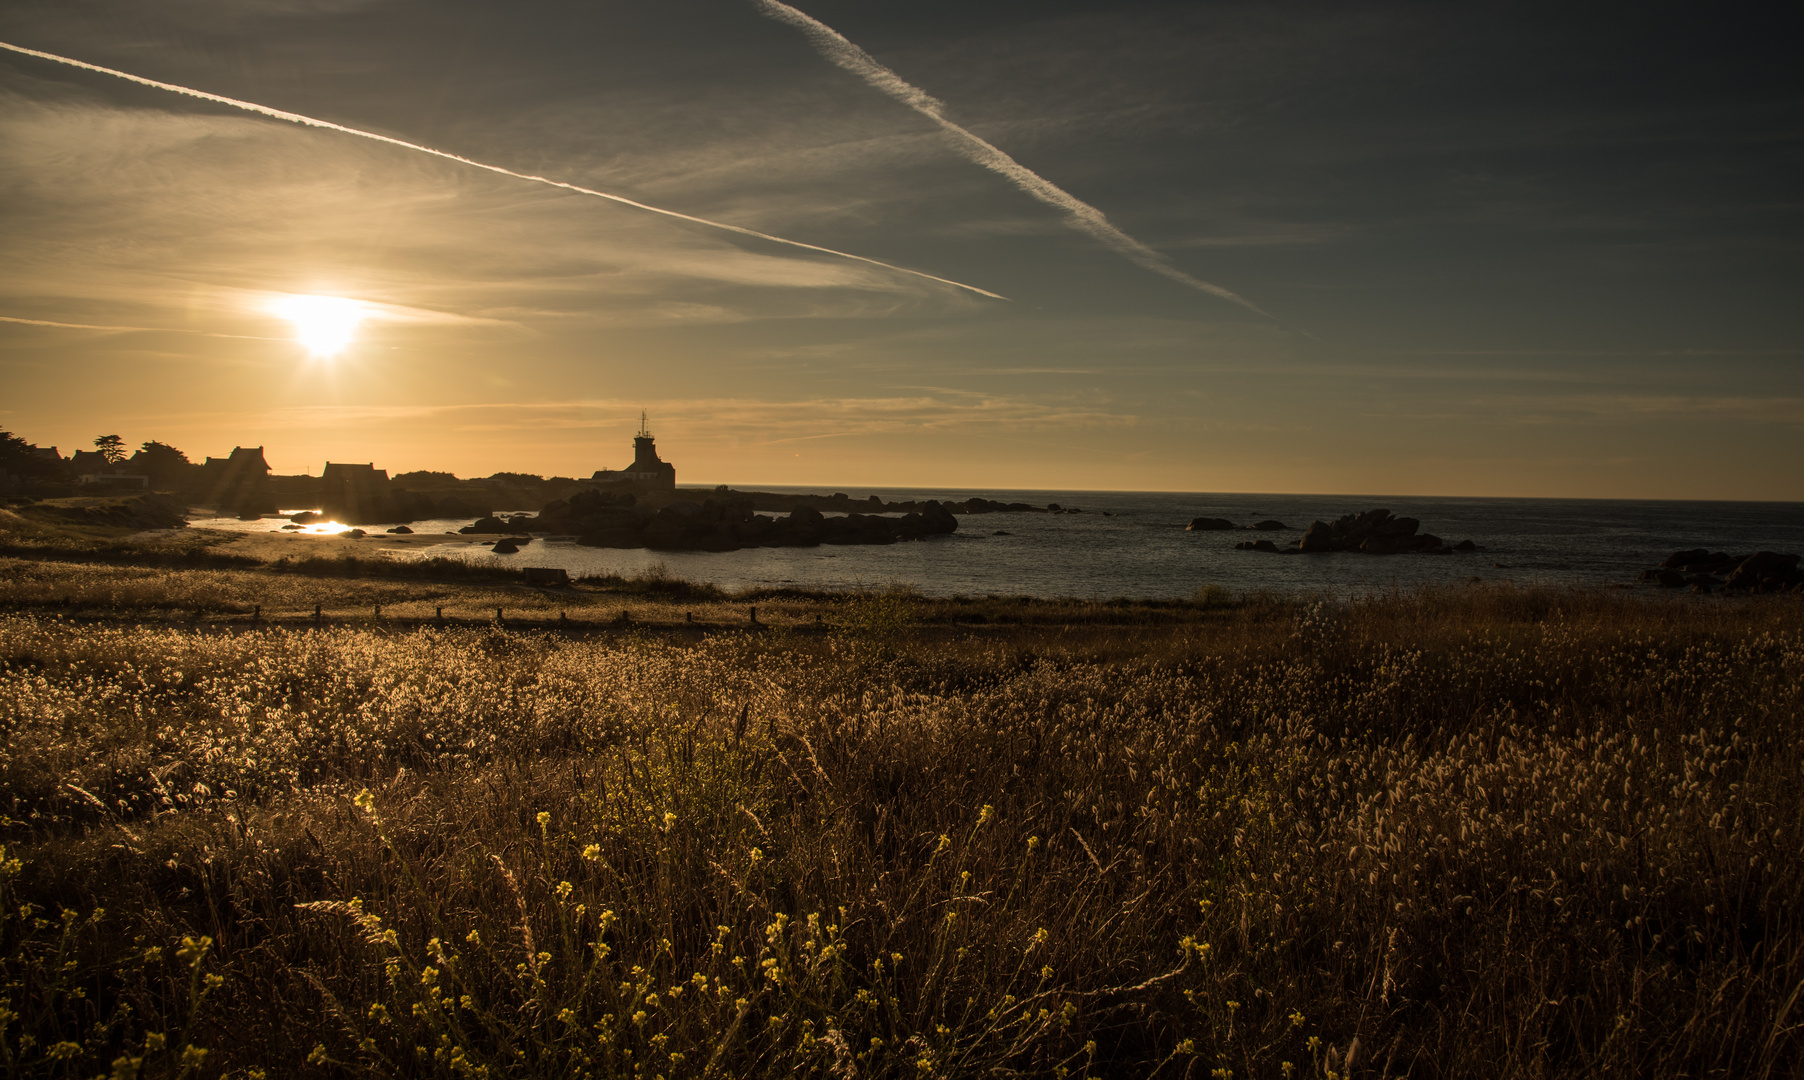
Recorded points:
1134,545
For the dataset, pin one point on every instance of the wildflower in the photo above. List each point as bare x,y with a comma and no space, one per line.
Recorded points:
1033,844
544,819
1038,939
193,949
366,803
563,890
1046,972
592,852
984,815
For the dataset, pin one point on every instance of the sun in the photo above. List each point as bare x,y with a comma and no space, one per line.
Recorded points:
324,325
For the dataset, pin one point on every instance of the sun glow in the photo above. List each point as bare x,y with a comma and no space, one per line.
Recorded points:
324,325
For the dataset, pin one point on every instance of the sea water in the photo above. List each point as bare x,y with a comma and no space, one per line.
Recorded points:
1134,544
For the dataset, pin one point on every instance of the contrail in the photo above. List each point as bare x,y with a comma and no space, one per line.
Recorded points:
309,121
134,329
833,45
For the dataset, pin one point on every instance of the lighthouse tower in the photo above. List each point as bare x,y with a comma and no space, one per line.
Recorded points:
646,468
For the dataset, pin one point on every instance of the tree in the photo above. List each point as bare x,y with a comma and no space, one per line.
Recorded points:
23,459
164,464
15,453
111,447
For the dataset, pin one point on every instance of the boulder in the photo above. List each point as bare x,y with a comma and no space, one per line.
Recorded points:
506,546
1270,526
489,524
1318,538
1208,524
937,520
305,517
664,533
401,530
1763,571
805,515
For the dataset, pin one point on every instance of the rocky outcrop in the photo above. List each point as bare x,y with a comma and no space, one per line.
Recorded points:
604,519
1375,532
1706,571
1209,524
492,525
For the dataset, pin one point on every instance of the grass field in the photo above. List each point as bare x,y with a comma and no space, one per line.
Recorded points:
1475,833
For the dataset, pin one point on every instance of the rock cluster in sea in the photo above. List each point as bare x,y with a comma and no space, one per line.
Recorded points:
1209,524
1706,571
1375,532
607,519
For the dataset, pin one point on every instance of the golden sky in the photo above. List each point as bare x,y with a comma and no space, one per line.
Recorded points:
1236,249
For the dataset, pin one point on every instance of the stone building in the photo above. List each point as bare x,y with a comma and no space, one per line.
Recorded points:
357,494
646,470
238,482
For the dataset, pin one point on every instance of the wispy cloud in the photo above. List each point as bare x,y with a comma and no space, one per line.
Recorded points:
706,421
309,121
1087,219
132,329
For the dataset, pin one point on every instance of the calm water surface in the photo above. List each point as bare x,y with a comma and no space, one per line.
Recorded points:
1141,549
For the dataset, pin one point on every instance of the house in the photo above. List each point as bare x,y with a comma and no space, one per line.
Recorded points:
357,494
239,481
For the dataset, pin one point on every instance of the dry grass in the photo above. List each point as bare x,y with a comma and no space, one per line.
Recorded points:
1479,832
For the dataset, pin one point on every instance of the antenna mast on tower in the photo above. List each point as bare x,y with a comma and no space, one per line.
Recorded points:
644,431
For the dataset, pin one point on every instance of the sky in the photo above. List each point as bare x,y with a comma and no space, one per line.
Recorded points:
1384,248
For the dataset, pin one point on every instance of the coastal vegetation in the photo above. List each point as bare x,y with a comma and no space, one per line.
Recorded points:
1481,831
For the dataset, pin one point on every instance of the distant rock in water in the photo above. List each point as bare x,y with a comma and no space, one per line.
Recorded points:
1270,526
1375,532
401,530
1207,524
1256,545
1706,571
727,522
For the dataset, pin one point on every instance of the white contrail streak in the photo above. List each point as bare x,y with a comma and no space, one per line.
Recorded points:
309,121
133,329
833,45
